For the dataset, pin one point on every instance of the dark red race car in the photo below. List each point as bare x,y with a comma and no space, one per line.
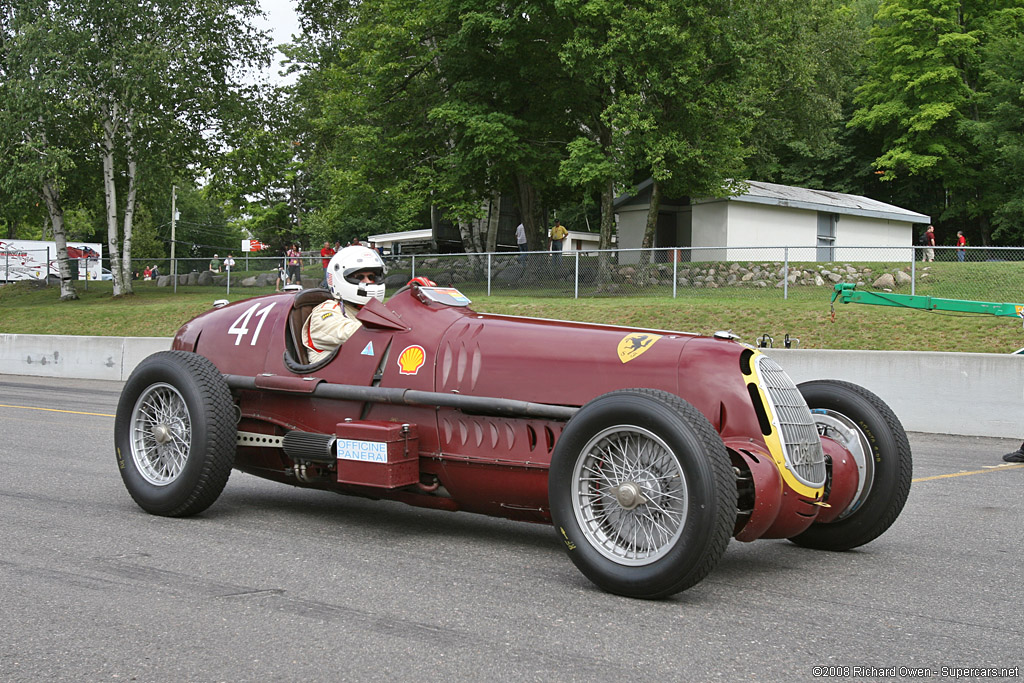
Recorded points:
646,449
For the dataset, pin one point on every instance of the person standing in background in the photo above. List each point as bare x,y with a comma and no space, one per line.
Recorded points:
521,242
294,257
325,259
929,243
557,240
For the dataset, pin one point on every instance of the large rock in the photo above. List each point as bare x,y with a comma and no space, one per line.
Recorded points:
902,278
205,278
192,278
164,281
885,281
249,281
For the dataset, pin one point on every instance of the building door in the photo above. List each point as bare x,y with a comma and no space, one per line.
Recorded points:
827,236
666,235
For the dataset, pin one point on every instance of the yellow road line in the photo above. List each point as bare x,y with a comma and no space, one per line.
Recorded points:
54,410
997,468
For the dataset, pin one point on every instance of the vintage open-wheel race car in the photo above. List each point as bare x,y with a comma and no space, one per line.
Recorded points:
647,450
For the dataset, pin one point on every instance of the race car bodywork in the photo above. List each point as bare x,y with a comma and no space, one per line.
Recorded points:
647,450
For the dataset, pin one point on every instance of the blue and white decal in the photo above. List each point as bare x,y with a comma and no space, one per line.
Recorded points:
363,451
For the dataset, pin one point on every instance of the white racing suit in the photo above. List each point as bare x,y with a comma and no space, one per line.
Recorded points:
327,327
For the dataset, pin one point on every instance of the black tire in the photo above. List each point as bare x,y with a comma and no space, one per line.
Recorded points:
175,434
882,445
661,495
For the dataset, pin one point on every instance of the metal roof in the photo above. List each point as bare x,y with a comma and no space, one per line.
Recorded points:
821,200
773,194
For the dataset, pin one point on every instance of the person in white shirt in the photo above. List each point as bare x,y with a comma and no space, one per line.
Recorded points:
521,240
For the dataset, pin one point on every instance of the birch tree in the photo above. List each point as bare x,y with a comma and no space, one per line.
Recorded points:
148,82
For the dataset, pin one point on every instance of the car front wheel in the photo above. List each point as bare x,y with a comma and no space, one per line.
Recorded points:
175,434
642,493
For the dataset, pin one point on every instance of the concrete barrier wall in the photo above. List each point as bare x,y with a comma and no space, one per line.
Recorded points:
947,393
111,358
978,394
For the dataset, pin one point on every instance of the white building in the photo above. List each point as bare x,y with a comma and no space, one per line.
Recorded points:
825,226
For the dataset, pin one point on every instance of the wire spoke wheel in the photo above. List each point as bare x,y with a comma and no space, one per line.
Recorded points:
630,497
175,433
642,493
161,434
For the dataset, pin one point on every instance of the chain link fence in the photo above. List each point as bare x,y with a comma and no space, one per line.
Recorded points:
971,273
733,272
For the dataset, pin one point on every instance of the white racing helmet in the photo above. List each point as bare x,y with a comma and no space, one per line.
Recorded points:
345,264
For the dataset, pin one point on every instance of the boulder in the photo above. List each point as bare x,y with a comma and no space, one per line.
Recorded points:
164,281
885,281
205,278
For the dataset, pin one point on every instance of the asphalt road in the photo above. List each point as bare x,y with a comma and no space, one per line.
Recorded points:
277,583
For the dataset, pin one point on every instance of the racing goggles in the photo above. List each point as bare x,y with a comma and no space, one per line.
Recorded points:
364,277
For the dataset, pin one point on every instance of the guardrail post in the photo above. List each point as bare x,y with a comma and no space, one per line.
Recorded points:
413,260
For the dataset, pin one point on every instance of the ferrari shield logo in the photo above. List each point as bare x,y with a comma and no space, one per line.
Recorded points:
632,345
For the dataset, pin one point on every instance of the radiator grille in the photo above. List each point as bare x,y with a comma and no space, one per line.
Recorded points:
801,444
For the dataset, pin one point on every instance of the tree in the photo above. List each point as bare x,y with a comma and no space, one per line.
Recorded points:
999,130
40,132
442,105
926,98
144,81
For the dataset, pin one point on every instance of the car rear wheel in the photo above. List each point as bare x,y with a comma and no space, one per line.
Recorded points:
175,434
642,493
863,424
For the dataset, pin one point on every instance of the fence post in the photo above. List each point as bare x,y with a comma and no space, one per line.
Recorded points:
174,273
576,286
913,270
785,274
413,267
675,270
46,273
488,273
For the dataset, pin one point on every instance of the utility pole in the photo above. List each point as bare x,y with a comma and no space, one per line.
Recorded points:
174,215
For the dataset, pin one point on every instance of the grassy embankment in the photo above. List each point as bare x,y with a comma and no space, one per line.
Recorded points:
158,312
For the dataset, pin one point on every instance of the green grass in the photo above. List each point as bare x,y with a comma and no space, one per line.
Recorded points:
158,312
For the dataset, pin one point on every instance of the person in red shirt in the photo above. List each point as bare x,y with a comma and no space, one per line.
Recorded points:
961,242
325,256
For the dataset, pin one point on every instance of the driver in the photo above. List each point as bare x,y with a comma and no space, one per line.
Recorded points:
354,276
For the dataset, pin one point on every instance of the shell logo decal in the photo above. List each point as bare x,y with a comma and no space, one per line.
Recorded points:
632,345
411,360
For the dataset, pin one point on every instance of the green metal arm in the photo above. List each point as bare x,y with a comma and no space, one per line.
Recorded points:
848,293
